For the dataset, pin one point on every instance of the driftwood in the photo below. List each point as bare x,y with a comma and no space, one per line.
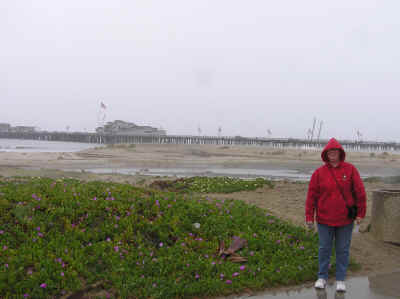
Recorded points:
230,253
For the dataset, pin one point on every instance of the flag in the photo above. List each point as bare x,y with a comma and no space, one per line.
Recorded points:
102,105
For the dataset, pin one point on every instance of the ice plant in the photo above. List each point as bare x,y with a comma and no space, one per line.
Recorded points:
132,253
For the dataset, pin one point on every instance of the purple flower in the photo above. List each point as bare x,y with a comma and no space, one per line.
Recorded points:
26,295
235,274
43,285
242,268
116,248
95,198
5,247
161,244
197,276
278,242
6,265
301,247
1,232
251,253
229,281
62,273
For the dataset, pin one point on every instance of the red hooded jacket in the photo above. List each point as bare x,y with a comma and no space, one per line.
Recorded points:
324,198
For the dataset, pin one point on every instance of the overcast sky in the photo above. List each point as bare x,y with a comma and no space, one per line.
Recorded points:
244,66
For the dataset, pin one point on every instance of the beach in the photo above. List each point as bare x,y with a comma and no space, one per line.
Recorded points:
285,200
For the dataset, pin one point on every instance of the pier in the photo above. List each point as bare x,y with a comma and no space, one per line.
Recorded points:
282,143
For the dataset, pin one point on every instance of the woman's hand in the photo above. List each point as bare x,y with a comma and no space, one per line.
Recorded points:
310,225
358,220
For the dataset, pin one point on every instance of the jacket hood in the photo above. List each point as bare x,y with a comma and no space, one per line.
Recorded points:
332,144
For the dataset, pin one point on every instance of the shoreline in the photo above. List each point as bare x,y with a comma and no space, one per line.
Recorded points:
203,159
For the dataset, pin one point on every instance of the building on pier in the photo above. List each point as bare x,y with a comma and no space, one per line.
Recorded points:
119,127
4,127
23,129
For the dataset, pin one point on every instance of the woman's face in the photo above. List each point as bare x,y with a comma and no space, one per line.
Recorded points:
333,155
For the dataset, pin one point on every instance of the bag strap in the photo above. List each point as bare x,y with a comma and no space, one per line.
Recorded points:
339,187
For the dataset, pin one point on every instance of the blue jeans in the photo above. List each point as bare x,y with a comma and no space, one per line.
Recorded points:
342,236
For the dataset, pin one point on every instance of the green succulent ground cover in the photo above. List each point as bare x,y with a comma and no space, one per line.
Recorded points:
58,237
213,184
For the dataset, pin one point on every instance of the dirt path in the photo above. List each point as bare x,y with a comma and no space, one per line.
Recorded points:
287,201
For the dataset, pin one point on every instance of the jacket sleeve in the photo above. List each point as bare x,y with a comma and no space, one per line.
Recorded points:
359,193
312,197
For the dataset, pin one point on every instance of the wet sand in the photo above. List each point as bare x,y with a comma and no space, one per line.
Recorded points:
200,157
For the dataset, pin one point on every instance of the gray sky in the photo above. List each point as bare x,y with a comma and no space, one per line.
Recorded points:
247,66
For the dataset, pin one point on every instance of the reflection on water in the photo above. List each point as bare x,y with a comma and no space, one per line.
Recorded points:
212,172
321,294
273,174
357,288
340,295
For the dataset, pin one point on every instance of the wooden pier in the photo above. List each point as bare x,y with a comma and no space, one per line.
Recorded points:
214,140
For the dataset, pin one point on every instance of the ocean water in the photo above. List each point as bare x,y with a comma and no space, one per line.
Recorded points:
274,174
29,146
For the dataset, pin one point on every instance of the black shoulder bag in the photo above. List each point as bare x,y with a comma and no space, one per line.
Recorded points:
351,211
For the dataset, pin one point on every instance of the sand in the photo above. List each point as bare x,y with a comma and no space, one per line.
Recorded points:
286,200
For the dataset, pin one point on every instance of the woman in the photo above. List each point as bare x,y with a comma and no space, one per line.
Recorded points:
333,188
